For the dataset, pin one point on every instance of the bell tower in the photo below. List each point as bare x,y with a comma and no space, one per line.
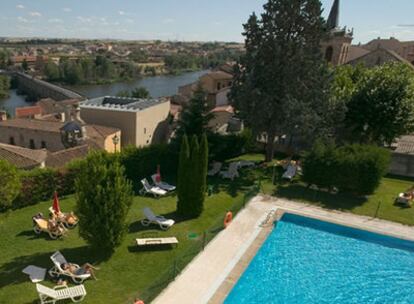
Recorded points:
335,47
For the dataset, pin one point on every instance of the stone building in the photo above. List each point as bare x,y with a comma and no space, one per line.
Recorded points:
142,121
337,46
42,134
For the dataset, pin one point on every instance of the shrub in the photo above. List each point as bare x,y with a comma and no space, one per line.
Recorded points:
104,197
223,147
37,185
352,168
142,162
9,184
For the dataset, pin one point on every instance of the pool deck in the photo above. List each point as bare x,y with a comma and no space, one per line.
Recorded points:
212,274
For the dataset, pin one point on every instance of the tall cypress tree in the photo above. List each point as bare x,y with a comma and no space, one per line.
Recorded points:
281,82
182,182
193,206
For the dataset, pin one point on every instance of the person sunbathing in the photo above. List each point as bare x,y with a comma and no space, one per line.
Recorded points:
84,269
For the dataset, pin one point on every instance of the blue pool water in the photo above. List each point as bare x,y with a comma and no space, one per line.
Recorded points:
309,261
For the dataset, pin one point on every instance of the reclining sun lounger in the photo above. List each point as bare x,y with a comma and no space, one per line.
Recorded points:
162,185
215,169
231,173
58,259
148,189
151,218
290,172
63,292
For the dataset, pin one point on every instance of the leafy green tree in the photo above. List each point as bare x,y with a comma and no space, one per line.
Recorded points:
10,184
25,65
195,116
140,92
381,104
282,80
104,197
51,71
4,86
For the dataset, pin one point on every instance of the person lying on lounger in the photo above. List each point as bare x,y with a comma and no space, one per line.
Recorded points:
85,268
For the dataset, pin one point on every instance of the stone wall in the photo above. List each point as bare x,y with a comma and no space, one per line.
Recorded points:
402,164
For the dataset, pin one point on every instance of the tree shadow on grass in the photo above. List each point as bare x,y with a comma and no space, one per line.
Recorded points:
300,192
31,235
11,271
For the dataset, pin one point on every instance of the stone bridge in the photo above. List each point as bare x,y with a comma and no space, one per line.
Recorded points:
41,89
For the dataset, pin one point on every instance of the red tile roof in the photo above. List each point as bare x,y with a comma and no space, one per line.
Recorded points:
28,111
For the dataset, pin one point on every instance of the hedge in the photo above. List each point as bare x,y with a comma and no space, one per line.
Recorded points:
355,168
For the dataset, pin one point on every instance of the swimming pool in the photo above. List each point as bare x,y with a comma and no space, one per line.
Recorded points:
309,261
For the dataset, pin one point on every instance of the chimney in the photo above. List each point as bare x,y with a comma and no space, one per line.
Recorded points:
62,117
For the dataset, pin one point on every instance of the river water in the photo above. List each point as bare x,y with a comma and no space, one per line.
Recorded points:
158,86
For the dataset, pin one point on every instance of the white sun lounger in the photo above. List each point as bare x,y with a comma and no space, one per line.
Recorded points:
157,241
63,292
290,172
246,164
162,185
151,218
232,172
58,259
215,169
148,189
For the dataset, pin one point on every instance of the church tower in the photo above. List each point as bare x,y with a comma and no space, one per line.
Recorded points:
336,46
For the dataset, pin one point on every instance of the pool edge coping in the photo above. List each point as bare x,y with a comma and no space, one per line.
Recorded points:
220,293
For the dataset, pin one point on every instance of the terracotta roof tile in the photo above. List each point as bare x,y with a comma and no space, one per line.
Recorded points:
22,157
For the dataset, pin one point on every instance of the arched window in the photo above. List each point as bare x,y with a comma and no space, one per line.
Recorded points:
329,53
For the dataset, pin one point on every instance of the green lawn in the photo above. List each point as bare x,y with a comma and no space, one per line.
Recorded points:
128,273
131,273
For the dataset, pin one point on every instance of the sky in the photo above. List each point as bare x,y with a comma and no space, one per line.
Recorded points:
184,20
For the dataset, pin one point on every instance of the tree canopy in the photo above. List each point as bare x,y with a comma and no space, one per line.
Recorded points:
10,184
104,197
379,102
281,83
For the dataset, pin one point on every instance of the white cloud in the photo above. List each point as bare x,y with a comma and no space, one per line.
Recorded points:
130,21
67,9
22,20
168,20
55,20
121,13
20,6
35,14
84,19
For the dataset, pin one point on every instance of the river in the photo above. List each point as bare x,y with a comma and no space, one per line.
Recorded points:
158,86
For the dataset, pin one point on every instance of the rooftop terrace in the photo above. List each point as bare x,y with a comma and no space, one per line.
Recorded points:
122,103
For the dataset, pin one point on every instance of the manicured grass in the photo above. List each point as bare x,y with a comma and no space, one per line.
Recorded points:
380,204
131,273
122,277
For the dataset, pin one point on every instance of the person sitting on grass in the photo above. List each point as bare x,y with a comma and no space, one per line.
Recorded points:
84,269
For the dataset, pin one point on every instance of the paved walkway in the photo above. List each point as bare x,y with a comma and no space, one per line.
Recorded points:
200,280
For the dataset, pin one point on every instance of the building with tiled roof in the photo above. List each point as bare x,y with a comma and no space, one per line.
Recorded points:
47,134
60,158
23,158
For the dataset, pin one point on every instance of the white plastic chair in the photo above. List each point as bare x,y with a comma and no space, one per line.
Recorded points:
215,169
232,172
148,189
58,259
151,218
162,185
63,292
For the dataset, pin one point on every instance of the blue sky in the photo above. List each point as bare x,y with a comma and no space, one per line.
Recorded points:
201,20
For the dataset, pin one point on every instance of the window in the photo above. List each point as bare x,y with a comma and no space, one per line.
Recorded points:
11,140
43,144
32,144
218,86
329,54
145,130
